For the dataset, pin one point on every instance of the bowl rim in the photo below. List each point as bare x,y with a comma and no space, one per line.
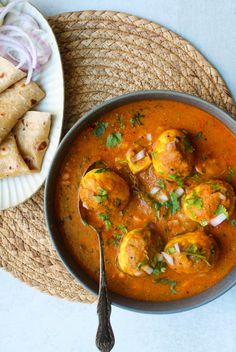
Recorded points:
151,307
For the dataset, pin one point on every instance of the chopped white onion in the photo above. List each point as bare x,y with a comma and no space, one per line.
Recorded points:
140,155
176,245
218,219
179,191
222,196
137,273
85,206
163,197
169,259
154,190
170,146
147,269
149,137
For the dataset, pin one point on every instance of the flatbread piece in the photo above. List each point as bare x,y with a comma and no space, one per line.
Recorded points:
31,134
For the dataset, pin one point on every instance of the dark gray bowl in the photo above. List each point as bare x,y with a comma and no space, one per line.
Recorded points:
118,300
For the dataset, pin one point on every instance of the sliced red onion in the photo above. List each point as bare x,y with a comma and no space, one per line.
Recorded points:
218,219
8,8
170,146
179,191
140,155
163,197
15,47
149,137
222,196
43,49
22,20
22,41
176,245
169,259
154,190
147,269
14,31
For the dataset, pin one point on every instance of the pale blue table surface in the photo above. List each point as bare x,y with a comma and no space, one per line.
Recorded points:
34,322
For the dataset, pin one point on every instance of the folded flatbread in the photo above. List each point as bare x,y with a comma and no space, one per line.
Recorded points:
31,134
15,102
11,161
9,74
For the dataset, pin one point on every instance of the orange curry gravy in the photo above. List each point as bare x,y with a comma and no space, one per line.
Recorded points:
209,137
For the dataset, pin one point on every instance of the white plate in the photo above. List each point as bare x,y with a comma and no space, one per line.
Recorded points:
15,190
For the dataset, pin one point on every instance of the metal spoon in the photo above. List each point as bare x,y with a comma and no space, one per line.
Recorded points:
105,339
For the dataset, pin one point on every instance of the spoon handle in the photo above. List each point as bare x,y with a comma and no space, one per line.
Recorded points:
105,339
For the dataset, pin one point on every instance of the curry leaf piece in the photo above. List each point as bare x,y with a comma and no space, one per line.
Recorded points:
100,127
113,139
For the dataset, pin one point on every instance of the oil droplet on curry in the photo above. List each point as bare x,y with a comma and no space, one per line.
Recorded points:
163,195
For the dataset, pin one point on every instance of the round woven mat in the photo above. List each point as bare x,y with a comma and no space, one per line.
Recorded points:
104,54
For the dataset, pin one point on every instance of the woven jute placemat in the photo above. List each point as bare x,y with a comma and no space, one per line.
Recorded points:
104,54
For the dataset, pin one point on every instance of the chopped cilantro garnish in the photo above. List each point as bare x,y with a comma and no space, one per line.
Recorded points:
161,184
159,268
101,196
222,210
120,121
106,219
141,264
198,135
116,239
171,250
178,179
197,253
117,202
123,228
195,176
113,139
188,145
174,202
215,187
233,222
231,173
136,119
203,223
100,127
194,201
171,283
157,206
160,244
105,169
